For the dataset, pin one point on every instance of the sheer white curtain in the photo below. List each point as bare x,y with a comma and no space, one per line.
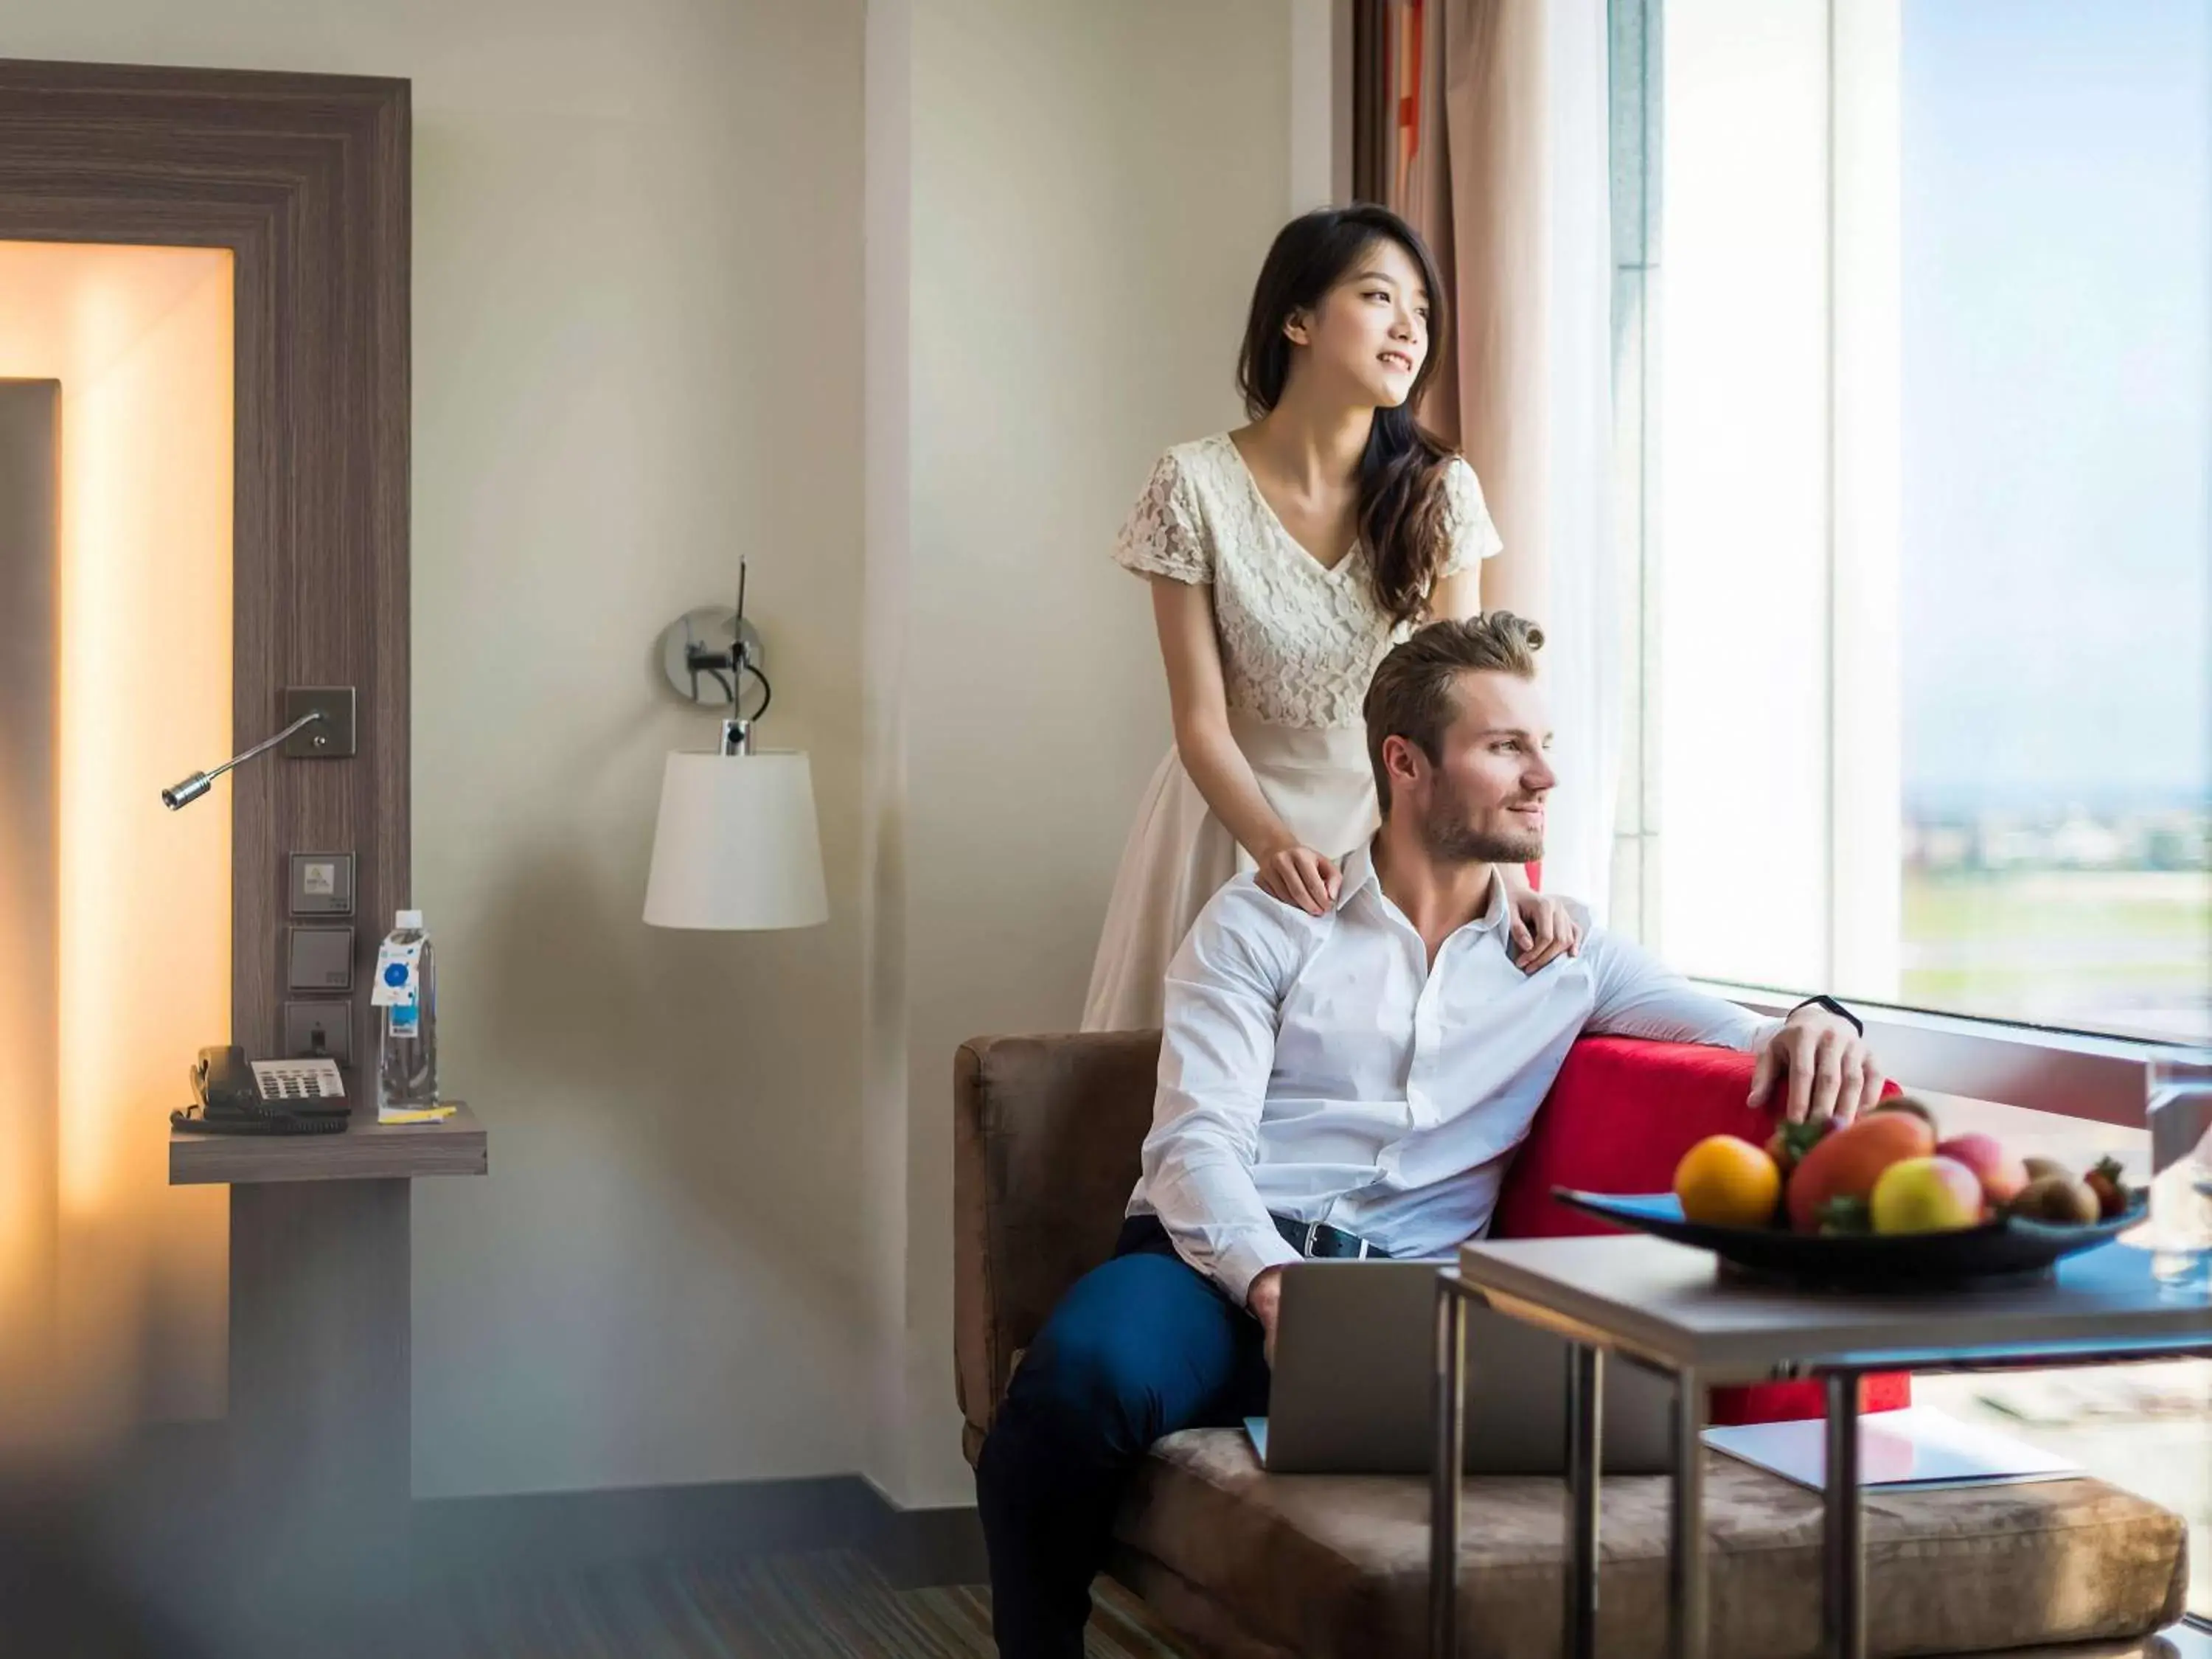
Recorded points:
1494,140
1584,639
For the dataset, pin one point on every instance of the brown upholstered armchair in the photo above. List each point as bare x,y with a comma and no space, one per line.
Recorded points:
1045,1132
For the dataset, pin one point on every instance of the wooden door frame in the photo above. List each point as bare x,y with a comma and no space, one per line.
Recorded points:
304,178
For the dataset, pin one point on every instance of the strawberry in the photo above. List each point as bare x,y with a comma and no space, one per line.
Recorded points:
1792,1141
1846,1215
2108,1182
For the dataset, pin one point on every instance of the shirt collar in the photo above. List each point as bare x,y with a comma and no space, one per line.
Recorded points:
1358,869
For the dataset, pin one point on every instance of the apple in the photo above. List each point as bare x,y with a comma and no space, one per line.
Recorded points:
2001,1174
1929,1195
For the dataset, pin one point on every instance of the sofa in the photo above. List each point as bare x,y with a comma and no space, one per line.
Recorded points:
1245,1565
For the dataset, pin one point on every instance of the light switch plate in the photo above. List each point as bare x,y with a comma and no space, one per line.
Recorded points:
320,959
330,1022
321,885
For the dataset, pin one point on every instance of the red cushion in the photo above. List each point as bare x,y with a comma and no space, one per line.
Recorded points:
1619,1118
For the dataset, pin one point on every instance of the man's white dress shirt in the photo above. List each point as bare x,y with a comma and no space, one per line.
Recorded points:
1317,1067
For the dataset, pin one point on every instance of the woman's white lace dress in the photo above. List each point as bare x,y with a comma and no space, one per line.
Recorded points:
1299,641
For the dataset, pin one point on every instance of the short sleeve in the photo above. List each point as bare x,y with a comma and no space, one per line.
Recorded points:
1473,536
1161,535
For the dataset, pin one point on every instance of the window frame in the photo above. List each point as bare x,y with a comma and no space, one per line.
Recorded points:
2076,1074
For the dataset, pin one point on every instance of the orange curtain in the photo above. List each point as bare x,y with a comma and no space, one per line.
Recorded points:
1459,86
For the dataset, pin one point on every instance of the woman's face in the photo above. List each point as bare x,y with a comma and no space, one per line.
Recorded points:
1369,337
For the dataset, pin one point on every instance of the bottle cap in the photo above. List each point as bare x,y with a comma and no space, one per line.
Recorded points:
410,918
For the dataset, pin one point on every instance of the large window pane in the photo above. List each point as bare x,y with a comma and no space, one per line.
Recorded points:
2056,522
1929,548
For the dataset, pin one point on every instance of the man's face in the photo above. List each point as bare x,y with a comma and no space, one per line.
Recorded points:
1483,801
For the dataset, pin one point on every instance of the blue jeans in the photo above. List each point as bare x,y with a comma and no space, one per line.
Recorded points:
1139,1348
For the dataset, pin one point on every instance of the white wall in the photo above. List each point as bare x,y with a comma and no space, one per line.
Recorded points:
637,354
1093,189
715,1243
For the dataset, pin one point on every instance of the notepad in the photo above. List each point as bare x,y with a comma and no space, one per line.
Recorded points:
1917,1449
413,1114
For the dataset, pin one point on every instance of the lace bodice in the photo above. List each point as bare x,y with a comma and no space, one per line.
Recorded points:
1299,641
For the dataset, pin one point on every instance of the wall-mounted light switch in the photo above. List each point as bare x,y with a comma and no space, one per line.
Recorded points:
318,1030
320,959
321,885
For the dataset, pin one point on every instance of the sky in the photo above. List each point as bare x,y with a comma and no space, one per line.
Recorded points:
2057,389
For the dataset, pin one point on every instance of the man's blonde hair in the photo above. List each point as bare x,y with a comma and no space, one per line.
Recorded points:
1411,694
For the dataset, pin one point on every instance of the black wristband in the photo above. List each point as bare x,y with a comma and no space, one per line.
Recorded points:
1835,1008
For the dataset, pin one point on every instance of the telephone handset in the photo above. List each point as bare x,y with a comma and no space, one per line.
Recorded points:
231,1102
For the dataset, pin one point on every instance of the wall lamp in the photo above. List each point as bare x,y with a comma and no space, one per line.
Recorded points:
735,845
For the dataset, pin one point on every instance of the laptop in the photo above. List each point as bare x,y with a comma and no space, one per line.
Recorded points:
1354,1386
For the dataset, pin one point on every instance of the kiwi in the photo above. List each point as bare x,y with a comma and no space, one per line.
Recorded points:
2037,1168
2059,1198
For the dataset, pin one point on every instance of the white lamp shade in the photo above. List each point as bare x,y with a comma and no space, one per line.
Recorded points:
736,844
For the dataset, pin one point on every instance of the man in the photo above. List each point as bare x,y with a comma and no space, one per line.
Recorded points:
1370,1070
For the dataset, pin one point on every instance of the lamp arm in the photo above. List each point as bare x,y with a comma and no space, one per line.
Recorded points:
194,786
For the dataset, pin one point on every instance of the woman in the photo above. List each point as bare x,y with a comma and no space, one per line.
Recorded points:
1285,559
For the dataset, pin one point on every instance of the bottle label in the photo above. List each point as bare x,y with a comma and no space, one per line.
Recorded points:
399,970
406,1018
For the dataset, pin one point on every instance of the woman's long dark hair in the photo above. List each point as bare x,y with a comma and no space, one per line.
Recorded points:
1402,473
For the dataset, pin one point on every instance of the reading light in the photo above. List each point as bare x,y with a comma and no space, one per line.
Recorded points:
328,708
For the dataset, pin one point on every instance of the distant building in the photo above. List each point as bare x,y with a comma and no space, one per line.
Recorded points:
2068,838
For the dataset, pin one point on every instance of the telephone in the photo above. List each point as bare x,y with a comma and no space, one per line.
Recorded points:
231,1101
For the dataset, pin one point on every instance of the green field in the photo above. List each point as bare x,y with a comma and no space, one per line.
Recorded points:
2105,949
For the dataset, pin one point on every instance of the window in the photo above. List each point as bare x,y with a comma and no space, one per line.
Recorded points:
1922,381
1913,341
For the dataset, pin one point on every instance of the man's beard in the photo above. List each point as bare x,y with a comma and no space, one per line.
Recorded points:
1450,839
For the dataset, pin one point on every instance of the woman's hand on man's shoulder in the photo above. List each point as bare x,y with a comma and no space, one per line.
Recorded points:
1300,876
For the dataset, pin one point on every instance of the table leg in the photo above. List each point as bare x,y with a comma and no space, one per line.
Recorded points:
1444,1474
1686,1604
320,1385
1843,1606
1585,1398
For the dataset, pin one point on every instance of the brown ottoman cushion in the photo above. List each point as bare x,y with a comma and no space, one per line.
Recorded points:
1336,1567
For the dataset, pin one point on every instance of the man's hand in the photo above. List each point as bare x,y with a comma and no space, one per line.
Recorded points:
1831,1070
1263,1299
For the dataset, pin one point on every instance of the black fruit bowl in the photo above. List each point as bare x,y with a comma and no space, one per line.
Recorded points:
2007,1249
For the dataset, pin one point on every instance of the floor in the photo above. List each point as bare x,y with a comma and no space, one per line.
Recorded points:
144,1565
828,1606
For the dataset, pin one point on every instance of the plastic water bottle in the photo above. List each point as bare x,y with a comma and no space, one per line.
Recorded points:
406,991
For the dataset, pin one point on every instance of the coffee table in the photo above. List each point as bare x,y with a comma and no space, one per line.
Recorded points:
1673,1309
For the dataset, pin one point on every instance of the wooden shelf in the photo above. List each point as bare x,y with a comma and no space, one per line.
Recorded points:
367,1151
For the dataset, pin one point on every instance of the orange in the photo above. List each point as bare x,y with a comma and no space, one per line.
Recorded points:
1726,1182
